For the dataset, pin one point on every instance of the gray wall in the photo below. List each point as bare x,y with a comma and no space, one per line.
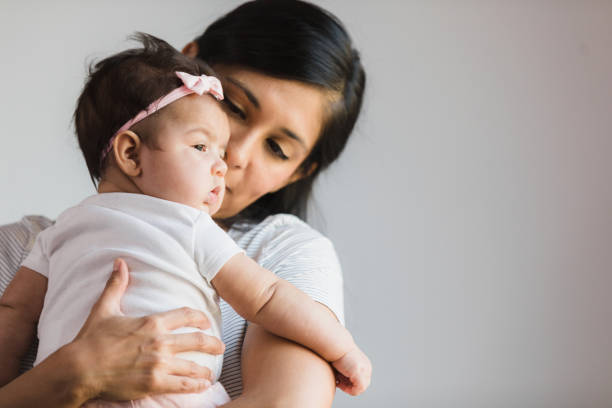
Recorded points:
471,210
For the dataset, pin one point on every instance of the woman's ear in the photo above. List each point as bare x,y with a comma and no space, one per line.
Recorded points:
191,49
126,148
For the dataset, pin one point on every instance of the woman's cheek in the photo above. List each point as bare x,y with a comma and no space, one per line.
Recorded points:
258,188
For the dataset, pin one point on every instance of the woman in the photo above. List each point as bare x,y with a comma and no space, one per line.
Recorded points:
293,87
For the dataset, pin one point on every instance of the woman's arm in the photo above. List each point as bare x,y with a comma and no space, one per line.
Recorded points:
279,373
20,307
56,382
263,298
117,357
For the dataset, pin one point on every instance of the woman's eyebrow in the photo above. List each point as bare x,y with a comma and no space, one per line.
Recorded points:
255,103
246,91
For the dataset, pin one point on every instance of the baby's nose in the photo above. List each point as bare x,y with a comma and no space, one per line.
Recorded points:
219,168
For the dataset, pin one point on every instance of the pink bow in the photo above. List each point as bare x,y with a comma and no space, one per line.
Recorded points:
191,84
202,84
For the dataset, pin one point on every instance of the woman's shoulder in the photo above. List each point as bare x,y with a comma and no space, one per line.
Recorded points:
273,222
284,230
283,242
22,234
298,253
16,241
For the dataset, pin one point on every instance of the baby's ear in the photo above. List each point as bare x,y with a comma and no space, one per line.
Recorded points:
126,151
191,49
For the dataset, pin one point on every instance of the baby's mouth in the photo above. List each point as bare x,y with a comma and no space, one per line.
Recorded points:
213,195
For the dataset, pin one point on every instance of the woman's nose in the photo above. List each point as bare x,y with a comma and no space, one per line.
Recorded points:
239,149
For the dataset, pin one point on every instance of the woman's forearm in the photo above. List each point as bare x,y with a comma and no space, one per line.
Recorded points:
279,373
54,383
20,307
15,337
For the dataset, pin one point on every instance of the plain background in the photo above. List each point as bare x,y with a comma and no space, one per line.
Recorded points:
471,210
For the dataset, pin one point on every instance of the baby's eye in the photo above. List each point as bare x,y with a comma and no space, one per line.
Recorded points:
201,147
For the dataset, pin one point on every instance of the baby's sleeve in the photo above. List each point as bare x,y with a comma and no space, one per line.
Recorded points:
37,259
212,246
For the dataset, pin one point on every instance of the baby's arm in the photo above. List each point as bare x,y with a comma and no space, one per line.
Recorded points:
261,297
20,308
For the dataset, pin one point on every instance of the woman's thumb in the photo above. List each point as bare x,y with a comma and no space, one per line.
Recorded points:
110,299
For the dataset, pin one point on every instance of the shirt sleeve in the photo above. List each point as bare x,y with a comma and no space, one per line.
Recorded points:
212,246
38,259
16,241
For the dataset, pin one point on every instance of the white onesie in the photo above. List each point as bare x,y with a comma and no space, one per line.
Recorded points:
172,250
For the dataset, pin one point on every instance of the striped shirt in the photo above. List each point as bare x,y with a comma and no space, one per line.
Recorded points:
281,243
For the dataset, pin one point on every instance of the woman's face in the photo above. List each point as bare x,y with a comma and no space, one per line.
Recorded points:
274,124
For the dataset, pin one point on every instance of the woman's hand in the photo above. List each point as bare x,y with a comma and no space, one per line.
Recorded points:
121,358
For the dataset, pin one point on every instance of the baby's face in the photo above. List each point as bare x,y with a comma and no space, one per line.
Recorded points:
186,165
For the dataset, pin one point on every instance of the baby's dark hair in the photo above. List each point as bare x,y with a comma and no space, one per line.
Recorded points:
120,86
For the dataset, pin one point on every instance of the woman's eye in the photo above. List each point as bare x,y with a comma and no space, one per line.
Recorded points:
276,149
201,147
234,109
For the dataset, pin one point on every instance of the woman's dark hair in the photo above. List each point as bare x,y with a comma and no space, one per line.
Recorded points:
299,41
122,85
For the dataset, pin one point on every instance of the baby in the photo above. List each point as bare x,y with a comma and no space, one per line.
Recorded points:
154,135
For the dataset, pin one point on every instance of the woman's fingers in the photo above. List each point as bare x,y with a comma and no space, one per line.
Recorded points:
183,317
185,368
109,302
172,384
130,357
142,385
196,341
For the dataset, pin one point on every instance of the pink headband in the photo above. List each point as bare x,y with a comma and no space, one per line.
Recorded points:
191,84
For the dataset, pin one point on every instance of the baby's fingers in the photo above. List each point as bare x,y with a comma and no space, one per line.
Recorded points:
359,385
352,387
354,372
361,380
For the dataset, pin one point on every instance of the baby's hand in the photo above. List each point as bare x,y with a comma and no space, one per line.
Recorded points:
354,371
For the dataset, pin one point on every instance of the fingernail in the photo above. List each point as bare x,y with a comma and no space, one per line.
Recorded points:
116,265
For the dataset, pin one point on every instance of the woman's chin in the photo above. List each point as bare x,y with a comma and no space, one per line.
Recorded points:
223,213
